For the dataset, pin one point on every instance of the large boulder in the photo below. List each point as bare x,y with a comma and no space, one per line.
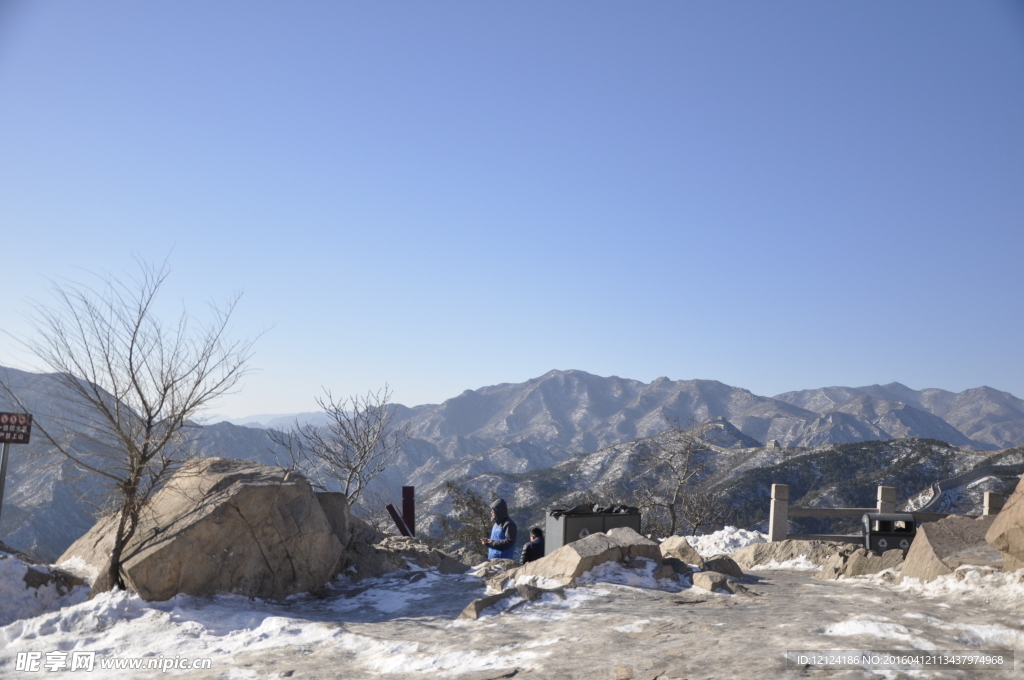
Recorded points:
573,559
224,526
723,564
1007,531
710,580
817,552
679,548
336,510
940,547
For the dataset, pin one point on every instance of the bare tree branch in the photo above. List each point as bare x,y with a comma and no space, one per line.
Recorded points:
355,446
669,464
133,386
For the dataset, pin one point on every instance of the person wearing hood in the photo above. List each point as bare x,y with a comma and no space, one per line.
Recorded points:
503,534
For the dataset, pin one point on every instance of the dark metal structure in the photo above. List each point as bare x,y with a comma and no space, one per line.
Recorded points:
406,522
565,526
888,530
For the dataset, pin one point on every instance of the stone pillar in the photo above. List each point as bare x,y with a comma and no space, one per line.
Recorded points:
887,499
778,518
993,502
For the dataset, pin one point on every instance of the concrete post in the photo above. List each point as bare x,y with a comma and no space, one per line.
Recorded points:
887,499
993,502
778,518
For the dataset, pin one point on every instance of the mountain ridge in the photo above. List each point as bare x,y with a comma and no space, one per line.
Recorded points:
516,428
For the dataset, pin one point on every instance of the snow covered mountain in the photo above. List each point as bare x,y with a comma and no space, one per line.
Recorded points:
515,428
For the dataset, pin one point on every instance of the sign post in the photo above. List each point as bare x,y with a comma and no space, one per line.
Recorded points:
15,428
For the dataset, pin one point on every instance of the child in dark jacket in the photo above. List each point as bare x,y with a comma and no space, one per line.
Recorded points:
534,550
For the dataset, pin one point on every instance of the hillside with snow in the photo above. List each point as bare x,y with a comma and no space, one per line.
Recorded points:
505,430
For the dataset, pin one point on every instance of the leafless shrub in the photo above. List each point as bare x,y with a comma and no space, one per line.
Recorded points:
133,387
354,447
668,466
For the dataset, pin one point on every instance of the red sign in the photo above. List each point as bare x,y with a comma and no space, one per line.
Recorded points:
15,428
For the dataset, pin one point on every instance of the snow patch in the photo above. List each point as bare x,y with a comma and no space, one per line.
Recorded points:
995,588
798,563
640,577
21,602
634,627
412,657
550,607
539,582
725,541
878,627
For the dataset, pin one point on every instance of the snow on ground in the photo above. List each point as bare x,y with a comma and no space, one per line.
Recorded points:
20,602
120,624
387,656
996,589
880,627
728,540
641,577
800,563
550,607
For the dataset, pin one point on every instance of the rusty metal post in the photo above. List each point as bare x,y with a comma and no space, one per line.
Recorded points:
409,508
399,522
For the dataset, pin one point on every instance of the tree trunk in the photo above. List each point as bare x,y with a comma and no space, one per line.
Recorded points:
127,522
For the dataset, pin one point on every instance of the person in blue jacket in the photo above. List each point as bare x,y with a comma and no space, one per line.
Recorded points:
503,534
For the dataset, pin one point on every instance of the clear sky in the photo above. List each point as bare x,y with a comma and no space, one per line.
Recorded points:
445,195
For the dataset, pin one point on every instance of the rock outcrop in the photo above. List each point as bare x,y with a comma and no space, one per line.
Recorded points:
817,552
859,562
723,564
63,581
710,580
226,526
391,553
335,507
573,559
677,547
940,547
1007,531
528,593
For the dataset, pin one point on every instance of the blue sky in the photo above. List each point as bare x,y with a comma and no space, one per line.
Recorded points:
443,196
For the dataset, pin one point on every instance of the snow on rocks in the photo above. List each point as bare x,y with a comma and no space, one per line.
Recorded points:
27,591
725,541
639,574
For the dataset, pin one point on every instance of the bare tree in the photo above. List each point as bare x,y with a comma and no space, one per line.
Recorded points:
669,465
133,387
703,506
355,446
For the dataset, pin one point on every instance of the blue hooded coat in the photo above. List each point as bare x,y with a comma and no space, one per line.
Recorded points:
503,533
